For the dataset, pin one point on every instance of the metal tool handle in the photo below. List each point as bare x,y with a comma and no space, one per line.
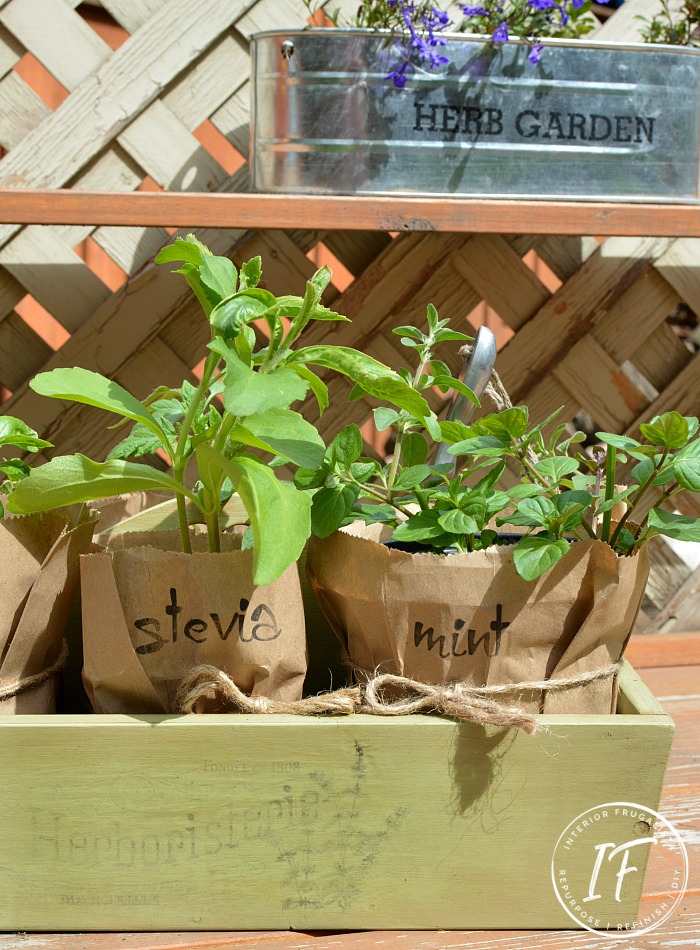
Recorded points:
476,373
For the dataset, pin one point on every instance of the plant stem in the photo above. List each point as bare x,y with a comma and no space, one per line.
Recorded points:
393,471
610,469
588,528
672,489
179,460
375,493
182,521
212,518
633,504
533,471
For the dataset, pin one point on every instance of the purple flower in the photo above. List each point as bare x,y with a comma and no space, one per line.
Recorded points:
475,11
501,33
545,4
398,75
437,60
535,53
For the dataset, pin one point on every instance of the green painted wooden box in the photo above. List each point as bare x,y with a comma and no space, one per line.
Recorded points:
272,822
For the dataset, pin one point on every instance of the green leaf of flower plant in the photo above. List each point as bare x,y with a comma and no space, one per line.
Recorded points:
449,382
248,391
279,514
422,526
250,273
19,434
486,445
680,527
534,556
414,449
329,509
506,425
457,522
14,469
412,477
385,417
532,512
69,479
556,467
286,433
687,473
623,442
524,490
669,430
306,478
375,378
84,386
188,251
413,332
316,385
346,447
219,277
140,441
230,315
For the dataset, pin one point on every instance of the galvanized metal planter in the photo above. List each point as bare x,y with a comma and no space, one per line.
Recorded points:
590,121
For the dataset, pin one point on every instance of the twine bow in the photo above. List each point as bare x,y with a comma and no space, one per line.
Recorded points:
465,703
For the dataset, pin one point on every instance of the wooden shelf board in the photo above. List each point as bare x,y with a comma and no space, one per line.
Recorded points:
331,212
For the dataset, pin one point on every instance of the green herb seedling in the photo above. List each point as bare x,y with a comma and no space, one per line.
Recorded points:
16,434
235,427
561,496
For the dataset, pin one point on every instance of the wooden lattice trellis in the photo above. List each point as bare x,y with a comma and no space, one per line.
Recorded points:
595,337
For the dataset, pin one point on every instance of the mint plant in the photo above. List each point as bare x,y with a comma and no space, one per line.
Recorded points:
235,427
562,495
16,434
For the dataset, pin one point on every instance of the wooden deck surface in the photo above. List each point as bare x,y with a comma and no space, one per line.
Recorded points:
670,665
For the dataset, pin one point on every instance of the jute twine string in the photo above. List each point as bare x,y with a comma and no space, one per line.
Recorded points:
477,704
8,690
204,679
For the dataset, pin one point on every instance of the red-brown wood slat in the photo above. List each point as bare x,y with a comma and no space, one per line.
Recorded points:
364,213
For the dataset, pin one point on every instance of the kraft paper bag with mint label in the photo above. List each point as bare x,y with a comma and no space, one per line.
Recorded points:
151,613
471,618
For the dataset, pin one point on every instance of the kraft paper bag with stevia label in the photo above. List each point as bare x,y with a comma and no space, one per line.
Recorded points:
471,618
151,614
40,569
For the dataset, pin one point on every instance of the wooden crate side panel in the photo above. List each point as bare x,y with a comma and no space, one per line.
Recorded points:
279,824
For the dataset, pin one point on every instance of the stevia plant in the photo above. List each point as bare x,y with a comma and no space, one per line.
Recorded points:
563,495
16,434
233,429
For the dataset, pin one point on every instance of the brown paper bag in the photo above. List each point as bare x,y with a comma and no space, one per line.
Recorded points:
117,508
39,566
471,618
151,613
